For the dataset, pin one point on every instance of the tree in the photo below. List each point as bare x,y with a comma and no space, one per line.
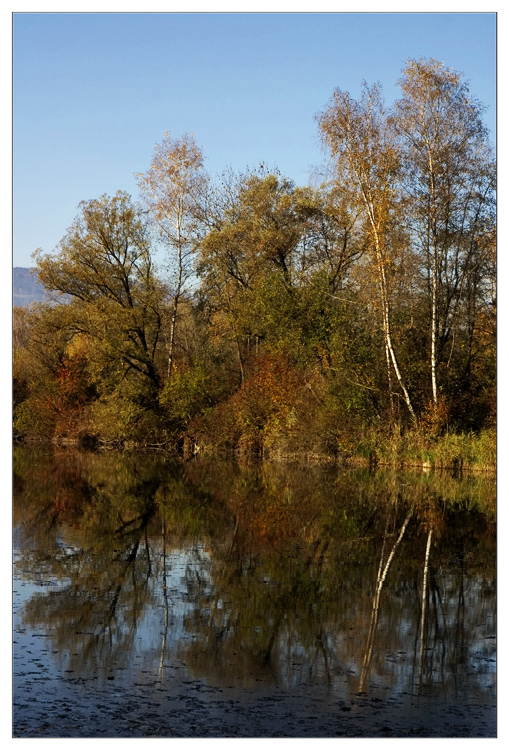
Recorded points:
107,293
334,240
367,160
449,178
172,189
263,261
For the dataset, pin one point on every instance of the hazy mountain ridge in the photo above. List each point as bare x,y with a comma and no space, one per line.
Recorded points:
25,287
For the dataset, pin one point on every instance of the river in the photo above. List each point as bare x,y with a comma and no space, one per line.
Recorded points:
215,598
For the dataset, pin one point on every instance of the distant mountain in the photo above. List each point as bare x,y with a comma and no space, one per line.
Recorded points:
25,287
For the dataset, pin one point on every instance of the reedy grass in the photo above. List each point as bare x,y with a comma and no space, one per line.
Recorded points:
456,451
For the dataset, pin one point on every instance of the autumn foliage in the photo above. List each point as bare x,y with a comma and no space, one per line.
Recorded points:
332,319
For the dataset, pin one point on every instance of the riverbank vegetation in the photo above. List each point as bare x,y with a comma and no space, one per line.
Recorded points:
354,318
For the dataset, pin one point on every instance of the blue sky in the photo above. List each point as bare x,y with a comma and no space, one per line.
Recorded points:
93,93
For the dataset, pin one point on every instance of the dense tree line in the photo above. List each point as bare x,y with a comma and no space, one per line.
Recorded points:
286,318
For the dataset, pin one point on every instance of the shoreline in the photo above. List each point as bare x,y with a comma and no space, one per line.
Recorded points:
457,466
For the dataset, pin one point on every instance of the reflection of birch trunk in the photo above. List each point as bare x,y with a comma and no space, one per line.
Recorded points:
382,573
230,550
322,648
423,607
166,606
459,635
147,549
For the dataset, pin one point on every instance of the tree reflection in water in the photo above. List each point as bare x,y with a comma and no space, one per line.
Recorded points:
260,574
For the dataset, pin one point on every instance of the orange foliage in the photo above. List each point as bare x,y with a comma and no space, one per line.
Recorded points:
265,399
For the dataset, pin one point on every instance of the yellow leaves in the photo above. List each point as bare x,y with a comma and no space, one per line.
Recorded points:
79,345
173,187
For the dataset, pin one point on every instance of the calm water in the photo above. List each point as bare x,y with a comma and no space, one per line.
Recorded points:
207,598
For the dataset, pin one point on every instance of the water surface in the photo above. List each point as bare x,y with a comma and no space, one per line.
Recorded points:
207,598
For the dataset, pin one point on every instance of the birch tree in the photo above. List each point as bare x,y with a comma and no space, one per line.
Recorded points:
172,189
449,179
366,160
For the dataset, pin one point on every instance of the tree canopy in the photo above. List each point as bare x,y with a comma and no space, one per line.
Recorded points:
316,317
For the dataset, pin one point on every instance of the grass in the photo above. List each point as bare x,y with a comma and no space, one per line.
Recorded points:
456,451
